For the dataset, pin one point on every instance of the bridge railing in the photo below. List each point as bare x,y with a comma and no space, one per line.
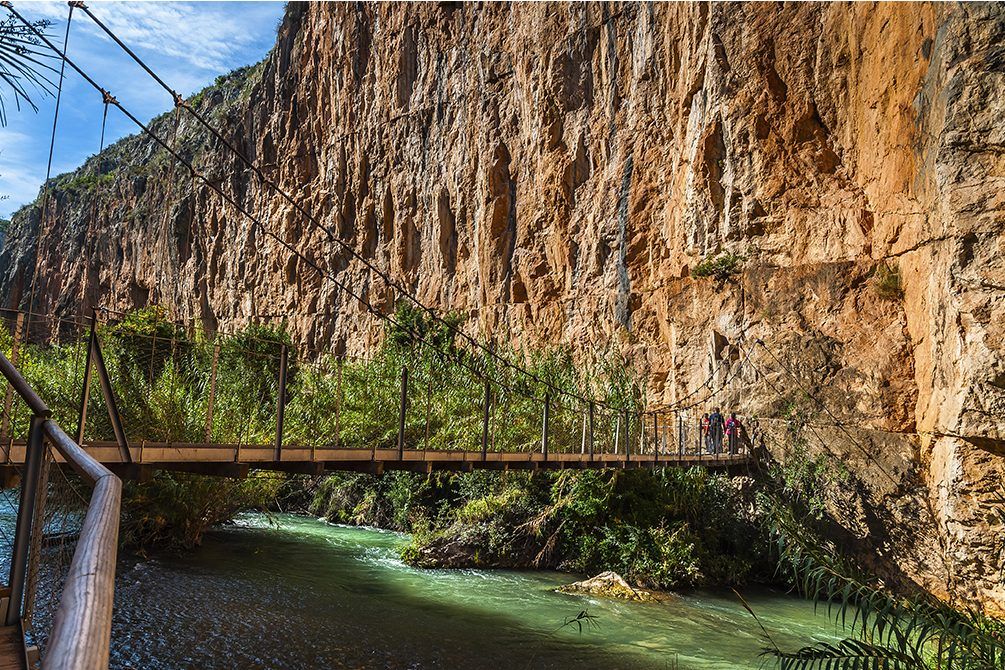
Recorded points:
81,627
186,387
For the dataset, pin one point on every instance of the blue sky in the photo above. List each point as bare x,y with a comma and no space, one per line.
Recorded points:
187,43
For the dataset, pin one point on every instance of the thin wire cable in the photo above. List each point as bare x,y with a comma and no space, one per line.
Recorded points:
48,168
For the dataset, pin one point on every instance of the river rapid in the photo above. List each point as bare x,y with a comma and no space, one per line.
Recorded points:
290,592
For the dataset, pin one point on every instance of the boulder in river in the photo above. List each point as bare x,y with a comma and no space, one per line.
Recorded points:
609,585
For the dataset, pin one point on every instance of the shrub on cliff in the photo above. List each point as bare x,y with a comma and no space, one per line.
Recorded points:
720,267
886,282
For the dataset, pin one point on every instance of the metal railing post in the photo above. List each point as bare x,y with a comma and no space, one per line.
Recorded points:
627,441
656,437
212,392
680,437
281,401
485,418
25,514
85,391
338,403
113,409
545,419
591,431
401,412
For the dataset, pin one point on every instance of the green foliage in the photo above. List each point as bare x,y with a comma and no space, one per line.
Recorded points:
917,632
721,267
413,325
85,180
174,510
886,282
662,529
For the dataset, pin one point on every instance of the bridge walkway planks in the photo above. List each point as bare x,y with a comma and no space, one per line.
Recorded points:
236,460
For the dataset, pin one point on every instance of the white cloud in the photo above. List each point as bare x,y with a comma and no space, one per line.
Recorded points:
19,176
187,43
208,36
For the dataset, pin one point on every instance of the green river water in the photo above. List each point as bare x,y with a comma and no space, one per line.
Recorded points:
305,594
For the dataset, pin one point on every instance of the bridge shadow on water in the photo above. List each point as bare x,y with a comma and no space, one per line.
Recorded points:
309,595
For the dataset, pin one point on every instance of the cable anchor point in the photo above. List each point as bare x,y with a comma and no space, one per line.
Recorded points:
77,4
6,4
108,98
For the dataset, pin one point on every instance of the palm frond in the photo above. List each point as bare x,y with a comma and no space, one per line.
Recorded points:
849,654
23,65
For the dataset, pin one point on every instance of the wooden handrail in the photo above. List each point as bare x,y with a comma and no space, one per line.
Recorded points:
82,627
27,393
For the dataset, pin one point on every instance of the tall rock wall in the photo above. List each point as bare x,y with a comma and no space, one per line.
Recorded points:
556,171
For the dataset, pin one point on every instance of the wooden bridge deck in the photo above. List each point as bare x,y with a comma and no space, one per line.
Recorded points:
236,460
12,656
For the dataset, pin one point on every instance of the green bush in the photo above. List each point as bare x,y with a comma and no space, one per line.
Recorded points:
720,267
886,282
173,511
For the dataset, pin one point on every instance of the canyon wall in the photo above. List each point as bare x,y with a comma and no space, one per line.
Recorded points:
556,172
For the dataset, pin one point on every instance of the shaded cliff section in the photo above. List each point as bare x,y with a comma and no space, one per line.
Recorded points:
555,172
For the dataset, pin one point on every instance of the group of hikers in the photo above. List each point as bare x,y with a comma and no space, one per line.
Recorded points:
714,428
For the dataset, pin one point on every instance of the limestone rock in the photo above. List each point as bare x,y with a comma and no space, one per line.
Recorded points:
608,585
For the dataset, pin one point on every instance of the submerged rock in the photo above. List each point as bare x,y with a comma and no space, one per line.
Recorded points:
609,585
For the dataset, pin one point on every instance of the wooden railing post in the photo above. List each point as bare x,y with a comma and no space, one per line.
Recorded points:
8,402
212,393
545,419
485,418
281,401
401,412
25,515
591,431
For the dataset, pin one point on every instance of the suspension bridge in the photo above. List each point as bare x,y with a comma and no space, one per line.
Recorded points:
137,401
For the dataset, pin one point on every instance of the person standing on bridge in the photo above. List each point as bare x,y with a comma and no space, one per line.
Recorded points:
716,427
704,431
733,427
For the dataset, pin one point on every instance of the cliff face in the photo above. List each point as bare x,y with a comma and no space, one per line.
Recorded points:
556,172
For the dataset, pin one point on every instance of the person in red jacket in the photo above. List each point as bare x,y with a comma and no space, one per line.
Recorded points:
733,427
